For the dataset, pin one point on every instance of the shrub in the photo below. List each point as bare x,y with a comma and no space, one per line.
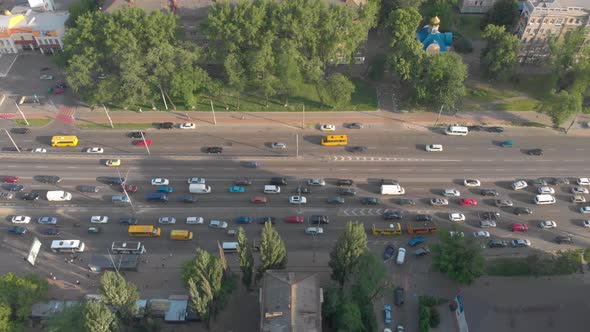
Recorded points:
423,318
462,45
434,319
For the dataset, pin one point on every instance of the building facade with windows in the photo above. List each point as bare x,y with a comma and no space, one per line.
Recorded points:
542,20
475,6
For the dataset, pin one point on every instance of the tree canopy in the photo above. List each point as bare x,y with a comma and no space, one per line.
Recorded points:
16,297
273,252
503,13
442,81
119,293
500,57
349,247
204,276
460,259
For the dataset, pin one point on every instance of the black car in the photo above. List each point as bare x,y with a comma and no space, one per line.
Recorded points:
522,210
264,220
88,189
61,85
302,190
336,200
243,182
423,217
277,181
22,131
357,149
406,201
346,192
128,220
319,219
535,152
564,239
495,243
137,134
489,192
5,195
489,215
51,231
560,181
345,182
393,215
214,149
495,129
475,128
188,198
14,187
113,180
52,179
166,125
398,296
370,200
30,196
355,125
17,230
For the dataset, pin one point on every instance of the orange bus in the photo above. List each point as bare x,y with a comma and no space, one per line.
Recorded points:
144,231
332,140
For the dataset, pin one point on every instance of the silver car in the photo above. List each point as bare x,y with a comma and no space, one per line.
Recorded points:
316,182
167,220
439,201
487,223
278,145
504,203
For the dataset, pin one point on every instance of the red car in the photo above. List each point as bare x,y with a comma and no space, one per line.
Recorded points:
143,142
259,199
468,202
11,179
130,188
520,227
294,220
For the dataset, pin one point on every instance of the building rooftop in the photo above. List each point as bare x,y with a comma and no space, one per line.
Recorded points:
291,302
561,3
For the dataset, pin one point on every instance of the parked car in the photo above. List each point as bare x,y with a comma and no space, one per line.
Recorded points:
398,296
456,217
471,183
336,200
387,314
297,200
243,220
389,251
519,227
14,187
10,179
346,192
416,241
214,150
468,202
327,127
217,224
421,252
316,182
294,220
423,217
21,219
504,203
264,220
195,220
495,243
166,125
30,196
47,220
95,150
278,145
434,148
487,223
128,220
319,219
519,185
393,215
439,201
187,125
564,239
547,224
522,210
160,182
481,234
521,243
314,230
17,230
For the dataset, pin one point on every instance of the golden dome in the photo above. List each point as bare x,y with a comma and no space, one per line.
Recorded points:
435,21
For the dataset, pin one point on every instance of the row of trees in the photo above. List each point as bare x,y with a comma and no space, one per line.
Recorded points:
16,297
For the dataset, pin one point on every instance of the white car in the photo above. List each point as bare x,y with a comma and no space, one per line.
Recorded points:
167,220
196,181
451,193
579,190
297,200
99,219
434,148
278,145
39,150
316,182
187,125
548,224
439,201
327,127
586,223
21,219
546,191
194,220
456,217
481,234
519,185
487,223
583,181
160,182
471,183
95,150
314,230
218,224
46,77
585,209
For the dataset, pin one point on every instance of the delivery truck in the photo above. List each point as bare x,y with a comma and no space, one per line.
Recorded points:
392,189
199,188
58,196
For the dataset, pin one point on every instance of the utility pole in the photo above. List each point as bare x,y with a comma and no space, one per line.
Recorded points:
108,116
22,114
303,117
145,143
213,111
125,190
13,143
439,113
163,98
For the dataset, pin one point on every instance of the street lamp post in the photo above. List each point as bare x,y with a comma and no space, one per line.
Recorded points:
13,143
145,143
108,115
213,111
22,114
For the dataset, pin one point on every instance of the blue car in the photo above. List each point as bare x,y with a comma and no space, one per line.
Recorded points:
387,314
416,241
388,253
237,189
243,220
165,189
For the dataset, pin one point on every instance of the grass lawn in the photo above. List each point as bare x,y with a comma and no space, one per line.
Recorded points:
364,98
117,126
468,26
484,93
33,122
526,104
535,85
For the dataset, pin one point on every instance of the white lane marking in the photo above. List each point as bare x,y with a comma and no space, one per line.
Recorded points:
437,169
72,167
499,169
530,169
579,149
167,168
342,169
289,169
468,169
404,169
11,166
561,169
492,148
510,160
483,160
41,166
461,148
402,148
374,169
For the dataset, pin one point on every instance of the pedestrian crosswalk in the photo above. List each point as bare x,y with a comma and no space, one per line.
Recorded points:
66,114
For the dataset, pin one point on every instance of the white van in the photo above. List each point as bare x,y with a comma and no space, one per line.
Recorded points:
230,246
456,130
392,189
401,256
544,199
272,189
199,188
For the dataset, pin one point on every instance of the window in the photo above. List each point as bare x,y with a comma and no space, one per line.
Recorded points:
559,21
528,30
542,30
551,21
532,20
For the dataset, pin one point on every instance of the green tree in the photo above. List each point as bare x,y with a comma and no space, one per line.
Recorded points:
246,257
500,57
80,8
460,259
567,54
272,250
503,13
368,285
70,319
236,74
351,245
119,293
443,80
337,90
443,9
349,316
406,54
562,105
98,317
17,294
288,72
204,276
